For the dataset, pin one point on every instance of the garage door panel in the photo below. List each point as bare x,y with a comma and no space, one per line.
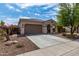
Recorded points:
33,29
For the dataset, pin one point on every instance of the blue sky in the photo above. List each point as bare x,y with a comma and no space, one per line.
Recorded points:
12,12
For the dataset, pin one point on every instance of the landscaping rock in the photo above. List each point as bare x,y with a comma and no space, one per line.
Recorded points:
14,35
8,43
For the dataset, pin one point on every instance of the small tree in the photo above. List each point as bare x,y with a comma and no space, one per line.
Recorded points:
69,16
3,32
2,23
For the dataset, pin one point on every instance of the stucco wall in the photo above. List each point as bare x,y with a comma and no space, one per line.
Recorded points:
43,24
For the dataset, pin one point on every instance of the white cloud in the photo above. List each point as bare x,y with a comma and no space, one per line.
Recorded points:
13,8
37,14
49,5
56,8
25,5
18,10
10,21
39,1
24,17
9,6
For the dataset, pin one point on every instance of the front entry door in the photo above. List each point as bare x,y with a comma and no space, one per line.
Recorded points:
48,28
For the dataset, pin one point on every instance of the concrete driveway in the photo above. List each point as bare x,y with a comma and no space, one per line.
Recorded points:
53,46
43,41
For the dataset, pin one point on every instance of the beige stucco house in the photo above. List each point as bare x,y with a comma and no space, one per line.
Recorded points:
34,26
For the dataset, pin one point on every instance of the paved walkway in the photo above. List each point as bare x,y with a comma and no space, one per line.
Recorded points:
53,46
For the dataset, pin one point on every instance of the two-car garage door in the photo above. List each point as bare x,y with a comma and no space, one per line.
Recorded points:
33,29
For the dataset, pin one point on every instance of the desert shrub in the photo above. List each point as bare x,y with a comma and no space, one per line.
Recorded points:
59,29
1,38
19,46
68,35
63,34
2,34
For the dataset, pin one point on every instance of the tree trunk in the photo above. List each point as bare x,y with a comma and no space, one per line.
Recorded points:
72,32
73,28
7,37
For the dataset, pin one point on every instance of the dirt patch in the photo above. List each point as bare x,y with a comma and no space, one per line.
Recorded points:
68,36
23,45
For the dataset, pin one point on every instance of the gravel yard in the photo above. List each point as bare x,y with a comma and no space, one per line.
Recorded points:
23,45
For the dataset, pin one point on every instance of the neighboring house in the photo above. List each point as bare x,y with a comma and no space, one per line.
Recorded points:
34,26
